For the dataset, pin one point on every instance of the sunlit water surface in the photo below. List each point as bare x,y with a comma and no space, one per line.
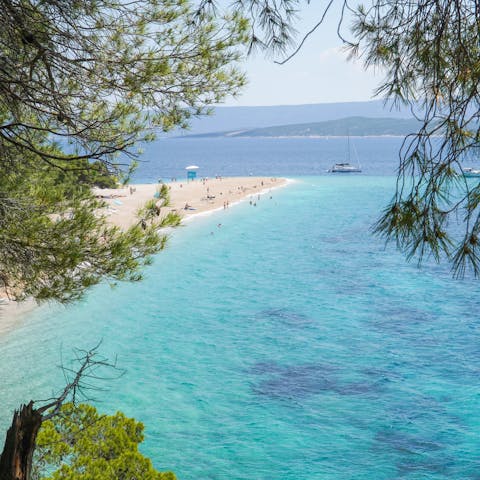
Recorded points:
288,343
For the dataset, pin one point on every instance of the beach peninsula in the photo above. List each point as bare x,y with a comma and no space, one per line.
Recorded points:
188,199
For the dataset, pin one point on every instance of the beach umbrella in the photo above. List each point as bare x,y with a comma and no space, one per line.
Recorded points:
192,167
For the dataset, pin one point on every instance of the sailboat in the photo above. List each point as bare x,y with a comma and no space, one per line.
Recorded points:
470,172
345,167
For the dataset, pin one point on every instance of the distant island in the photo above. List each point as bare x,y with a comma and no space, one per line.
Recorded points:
353,126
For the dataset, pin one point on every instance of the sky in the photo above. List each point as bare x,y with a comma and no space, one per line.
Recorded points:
319,73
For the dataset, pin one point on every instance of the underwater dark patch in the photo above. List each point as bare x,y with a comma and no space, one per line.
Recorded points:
406,443
359,388
285,316
300,381
399,318
380,374
296,381
427,466
261,368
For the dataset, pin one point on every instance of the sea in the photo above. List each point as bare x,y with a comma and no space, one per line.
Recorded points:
279,341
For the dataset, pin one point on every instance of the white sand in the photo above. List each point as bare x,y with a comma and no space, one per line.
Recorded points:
200,196
11,313
122,206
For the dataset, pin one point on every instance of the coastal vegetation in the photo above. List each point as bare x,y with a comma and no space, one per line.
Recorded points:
63,439
81,85
79,442
54,244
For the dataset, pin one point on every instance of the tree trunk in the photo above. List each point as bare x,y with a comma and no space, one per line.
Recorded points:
16,458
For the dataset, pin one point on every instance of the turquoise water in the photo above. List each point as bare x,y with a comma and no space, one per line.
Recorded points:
286,344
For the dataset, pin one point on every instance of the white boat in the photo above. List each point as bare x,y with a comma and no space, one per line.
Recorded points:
470,172
345,167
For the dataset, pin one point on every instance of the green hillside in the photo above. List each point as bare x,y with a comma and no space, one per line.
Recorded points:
354,126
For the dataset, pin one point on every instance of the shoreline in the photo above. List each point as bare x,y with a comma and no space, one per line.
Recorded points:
12,314
283,182
186,198
121,206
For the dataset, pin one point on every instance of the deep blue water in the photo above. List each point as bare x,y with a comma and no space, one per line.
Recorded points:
287,344
265,156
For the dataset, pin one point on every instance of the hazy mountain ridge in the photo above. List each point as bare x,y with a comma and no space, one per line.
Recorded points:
353,126
249,118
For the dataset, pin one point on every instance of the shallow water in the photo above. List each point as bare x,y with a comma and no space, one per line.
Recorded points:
287,343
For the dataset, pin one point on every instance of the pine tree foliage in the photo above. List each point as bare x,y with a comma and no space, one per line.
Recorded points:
55,239
428,53
271,22
79,443
82,82
96,74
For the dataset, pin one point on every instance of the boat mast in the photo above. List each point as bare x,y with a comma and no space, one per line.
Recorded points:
348,146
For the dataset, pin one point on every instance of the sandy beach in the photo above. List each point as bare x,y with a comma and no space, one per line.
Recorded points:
186,198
